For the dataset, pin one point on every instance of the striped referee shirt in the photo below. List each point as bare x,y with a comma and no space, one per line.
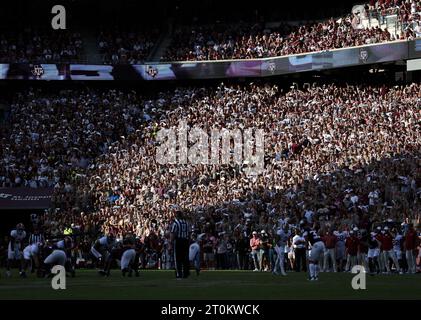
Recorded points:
180,229
36,238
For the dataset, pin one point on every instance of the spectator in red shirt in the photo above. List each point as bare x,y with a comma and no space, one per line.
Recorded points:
410,244
329,240
351,245
363,249
386,240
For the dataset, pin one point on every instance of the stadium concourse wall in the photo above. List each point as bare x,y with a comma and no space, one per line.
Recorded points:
186,70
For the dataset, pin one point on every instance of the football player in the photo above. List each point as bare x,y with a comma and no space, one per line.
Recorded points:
282,236
316,253
31,256
15,249
113,252
55,257
102,247
139,248
373,253
194,253
67,246
128,257
37,240
341,236
397,247
125,253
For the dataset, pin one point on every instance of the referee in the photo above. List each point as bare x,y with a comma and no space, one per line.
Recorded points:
180,239
36,237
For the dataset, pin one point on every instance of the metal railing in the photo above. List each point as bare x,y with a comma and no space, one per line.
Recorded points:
384,21
82,59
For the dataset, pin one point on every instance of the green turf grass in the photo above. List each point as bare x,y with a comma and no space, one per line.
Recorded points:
211,285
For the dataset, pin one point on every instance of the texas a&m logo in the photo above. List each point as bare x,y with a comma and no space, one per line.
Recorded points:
363,55
37,70
151,71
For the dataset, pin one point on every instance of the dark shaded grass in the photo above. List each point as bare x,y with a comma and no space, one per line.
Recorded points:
212,285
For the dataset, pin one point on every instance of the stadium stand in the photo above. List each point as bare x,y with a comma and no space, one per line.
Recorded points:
341,153
335,155
244,41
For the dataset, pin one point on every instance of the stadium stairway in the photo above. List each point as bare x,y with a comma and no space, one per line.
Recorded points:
389,23
91,48
162,44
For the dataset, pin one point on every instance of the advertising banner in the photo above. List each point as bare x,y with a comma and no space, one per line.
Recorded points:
25,198
188,70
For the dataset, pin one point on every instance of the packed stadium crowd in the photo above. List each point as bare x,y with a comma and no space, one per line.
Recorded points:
247,41
40,46
407,12
243,41
220,40
339,159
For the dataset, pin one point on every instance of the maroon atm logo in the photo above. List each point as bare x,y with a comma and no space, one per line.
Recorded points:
37,71
363,55
151,71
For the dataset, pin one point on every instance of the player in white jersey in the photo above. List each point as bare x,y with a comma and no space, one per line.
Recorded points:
128,257
58,256
397,247
282,236
30,255
123,253
15,248
341,236
30,251
316,253
67,245
127,260
194,253
102,247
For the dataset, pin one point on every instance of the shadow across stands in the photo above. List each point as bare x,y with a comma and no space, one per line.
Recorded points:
335,154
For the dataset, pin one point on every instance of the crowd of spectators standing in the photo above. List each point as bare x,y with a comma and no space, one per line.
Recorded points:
247,41
55,46
218,41
40,46
407,12
337,157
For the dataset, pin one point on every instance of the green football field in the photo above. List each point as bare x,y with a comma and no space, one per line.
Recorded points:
212,285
